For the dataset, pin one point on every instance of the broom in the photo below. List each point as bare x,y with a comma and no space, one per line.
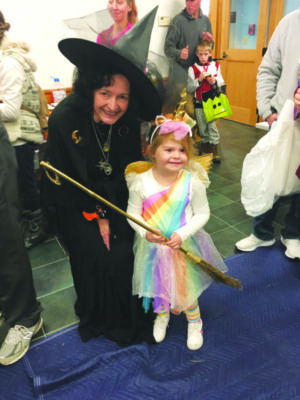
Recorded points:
214,273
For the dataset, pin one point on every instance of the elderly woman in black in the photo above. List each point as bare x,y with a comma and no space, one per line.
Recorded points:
93,135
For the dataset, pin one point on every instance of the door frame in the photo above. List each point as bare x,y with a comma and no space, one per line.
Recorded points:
215,15
276,14
219,17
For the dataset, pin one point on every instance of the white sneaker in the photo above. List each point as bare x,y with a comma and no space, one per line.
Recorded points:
195,335
17,342
251,243
160,327
292,247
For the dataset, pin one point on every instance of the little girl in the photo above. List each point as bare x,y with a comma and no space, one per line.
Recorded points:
170,196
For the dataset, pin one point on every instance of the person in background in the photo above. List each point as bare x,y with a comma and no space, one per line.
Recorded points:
203,75
19,105
20,312
124,14
170,196
297,100
276,82
185,32
93,134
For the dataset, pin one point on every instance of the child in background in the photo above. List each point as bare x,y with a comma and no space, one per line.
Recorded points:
170,196
203,76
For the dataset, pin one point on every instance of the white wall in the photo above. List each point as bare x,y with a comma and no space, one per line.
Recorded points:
41,24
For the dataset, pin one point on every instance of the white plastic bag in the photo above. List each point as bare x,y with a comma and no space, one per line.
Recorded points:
269,169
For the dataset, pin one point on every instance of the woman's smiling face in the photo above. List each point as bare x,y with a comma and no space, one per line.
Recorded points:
119,10
111,102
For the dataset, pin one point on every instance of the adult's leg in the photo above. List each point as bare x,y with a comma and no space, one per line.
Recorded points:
292,219
17,294
28,187
103,281
263,231
263,227
291,231
33,220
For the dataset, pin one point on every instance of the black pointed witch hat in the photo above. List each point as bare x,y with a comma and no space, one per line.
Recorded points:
128,56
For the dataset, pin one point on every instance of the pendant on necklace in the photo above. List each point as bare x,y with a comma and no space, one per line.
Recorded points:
107,168
106,147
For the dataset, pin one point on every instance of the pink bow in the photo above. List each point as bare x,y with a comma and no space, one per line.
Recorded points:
179,128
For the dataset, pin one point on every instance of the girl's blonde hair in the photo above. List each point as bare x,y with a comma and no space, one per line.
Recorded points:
133,14
187,143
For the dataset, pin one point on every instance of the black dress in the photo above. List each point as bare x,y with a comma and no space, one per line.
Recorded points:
102,278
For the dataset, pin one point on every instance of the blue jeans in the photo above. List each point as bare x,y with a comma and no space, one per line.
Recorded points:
263,224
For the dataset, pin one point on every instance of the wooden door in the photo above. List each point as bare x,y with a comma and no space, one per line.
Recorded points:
239,65
278,9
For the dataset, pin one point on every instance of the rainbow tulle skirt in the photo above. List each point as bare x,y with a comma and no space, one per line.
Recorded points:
166,276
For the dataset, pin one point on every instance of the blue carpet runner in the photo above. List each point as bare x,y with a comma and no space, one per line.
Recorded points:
251,348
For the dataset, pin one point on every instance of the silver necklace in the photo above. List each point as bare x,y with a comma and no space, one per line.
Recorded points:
103,165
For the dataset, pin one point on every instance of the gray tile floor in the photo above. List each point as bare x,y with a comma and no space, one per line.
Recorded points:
228,223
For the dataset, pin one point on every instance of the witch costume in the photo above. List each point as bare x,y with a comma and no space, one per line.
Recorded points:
96,156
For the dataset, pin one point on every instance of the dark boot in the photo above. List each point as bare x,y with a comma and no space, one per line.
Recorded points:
197,141
209,148
205,148
200,148
216,156
34,227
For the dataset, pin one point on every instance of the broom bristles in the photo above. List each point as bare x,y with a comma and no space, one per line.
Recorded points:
214,273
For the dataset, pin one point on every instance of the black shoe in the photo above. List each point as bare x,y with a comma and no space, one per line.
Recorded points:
216,156
34,228
216,160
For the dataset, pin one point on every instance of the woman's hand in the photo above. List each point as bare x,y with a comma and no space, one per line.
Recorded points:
151,237
104,231
175,241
